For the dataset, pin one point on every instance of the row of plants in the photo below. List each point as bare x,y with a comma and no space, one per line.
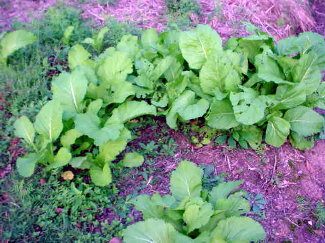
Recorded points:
251,87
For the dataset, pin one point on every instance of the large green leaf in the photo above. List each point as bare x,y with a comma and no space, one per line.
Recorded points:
234,205
70,137
238,230
101,176
186,107
129,45
77,56
248,107
48,121
307,72
14,41
197,215
197,45
151,230
222,190
109,150
301,142
62,158
218,75
252,135
130,110
26,164
277,131
24,129
290,96
115,68
304,121
221,115
186,181
90,124
69,89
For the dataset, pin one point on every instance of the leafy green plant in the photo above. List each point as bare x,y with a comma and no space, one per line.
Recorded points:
193,214
98,40
14,41
249,88
320,214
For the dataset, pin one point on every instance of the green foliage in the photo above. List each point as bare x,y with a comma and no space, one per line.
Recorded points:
187,75
14,41
182,7
193,214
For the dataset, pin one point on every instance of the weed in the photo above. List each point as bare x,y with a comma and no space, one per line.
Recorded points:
258,203
320,214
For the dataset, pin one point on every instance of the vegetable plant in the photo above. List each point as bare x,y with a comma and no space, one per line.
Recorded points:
252,88
193,214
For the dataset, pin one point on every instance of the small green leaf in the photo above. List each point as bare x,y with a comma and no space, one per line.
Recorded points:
62,158
70,137
48,121
132,160
186,181
300,142
101,176
277,131
26,164
78,56
222,190
24,129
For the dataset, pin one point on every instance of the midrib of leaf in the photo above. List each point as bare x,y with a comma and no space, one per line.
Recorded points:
307,70
27,135
187,186
146,240
73,96
205,53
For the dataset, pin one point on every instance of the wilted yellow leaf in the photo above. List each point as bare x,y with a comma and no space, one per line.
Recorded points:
67,175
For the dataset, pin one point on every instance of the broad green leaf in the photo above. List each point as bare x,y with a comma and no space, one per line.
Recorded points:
218,75
248,107
133,159
69,89
222,190
186,103
301,142
115,68
277,131
101,176
149,207
304,121
26,164
90,124
194,111
232,206
198,44
268,69
185,181
151,230
48,121
62,158
130,110
290,96
70,137
24,129
196,216
14,41
121,93
78,56
129,45
238,230
111,149
252,134
149,38
307,72
221,115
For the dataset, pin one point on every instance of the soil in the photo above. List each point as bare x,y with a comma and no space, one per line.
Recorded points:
281,175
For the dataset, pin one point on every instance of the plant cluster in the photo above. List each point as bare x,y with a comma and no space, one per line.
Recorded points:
250,87
194,214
